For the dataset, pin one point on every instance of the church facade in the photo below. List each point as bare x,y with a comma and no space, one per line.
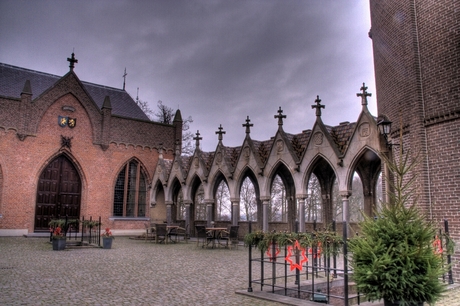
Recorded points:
76,149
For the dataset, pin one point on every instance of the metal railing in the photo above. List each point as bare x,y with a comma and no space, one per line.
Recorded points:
84,232
316,275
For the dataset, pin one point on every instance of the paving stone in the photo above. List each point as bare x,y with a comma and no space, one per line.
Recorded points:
133,272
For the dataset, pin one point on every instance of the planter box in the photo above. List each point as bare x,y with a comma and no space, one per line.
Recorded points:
59,244
107,243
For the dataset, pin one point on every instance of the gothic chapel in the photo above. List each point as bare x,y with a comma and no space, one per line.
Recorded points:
69,147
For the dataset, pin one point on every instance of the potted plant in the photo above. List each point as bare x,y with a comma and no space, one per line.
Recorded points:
107,239
393,257
58,239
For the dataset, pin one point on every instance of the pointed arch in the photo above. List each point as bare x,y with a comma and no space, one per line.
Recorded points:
326,176
367,164
130,191
221,196
247,173
59,190
198,207
281,170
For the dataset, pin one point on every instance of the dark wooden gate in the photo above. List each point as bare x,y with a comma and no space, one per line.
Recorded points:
58,193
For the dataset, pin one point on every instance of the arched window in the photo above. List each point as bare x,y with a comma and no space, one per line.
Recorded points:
130,191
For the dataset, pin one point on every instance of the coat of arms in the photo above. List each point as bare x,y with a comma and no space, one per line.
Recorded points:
67,121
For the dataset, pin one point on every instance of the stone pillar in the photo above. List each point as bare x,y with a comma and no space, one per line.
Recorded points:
187,217
169,212
345,209
235,211
301,216
265,214
209,212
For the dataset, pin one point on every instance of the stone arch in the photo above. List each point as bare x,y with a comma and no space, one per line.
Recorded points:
367,165
217,180
247,172
194,193
158,201
285,174
326,175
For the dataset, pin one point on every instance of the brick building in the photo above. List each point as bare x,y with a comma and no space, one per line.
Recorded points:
417,72
69,147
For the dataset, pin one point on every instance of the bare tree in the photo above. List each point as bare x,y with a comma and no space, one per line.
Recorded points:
248,205
224,208
314,204
165,114
144,105
277,206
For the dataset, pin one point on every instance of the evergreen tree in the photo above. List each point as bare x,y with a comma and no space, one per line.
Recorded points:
393,258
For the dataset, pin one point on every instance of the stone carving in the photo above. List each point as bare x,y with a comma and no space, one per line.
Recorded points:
318,138
364,130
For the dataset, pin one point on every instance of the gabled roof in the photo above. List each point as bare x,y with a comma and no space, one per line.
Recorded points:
12,80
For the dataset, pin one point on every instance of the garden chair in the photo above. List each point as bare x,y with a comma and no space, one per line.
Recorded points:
161,233
202,235
231,235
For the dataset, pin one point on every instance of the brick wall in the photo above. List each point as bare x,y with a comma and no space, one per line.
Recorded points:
416,59
22,161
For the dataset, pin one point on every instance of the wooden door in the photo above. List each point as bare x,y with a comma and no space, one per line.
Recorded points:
58,193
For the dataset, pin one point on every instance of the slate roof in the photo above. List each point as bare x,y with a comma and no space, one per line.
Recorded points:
12,80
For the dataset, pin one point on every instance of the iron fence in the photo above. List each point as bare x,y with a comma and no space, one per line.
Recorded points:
84,232
317,274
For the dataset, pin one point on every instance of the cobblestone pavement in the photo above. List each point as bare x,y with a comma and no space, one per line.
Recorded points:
133,272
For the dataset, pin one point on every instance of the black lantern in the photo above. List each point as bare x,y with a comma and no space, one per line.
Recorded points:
384,126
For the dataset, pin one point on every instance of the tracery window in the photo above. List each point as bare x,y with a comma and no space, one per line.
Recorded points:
130,193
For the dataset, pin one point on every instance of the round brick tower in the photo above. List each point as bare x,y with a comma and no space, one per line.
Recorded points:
416,47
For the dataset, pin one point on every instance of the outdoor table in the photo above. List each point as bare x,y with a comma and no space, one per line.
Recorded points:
216,233
169,228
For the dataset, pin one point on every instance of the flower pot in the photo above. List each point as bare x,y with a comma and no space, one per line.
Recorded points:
397,303
58,244
107,243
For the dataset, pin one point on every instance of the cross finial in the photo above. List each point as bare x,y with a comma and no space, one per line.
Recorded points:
318,106
220,132
248,125
72,61
197,139
364,94
280,116
124,79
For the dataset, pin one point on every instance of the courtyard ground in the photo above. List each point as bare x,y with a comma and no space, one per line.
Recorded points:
133,272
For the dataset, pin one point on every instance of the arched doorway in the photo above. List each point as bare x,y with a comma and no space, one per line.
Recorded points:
58,193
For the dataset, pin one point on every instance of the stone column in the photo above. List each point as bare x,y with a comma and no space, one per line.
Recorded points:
187,217
209,212
235,211
265,214
169,212
301,216
345,209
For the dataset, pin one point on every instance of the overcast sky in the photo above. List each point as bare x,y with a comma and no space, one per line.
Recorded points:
218,61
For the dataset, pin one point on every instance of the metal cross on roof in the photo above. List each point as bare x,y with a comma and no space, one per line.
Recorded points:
220,132
124,81
280,116
364,94
197,138
248,125
318,106
72,61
